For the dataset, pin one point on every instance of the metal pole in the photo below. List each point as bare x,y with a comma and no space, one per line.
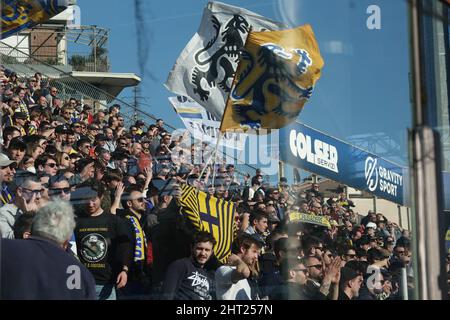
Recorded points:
280,170
408,217
95,50
375,204
404,284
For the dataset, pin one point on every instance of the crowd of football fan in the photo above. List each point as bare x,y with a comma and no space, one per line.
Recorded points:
123,186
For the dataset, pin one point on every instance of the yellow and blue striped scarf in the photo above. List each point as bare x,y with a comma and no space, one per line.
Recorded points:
6,196
140,240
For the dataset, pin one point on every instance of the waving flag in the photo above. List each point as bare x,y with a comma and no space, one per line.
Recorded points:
274,80
21,14
204,126
205,68
208,213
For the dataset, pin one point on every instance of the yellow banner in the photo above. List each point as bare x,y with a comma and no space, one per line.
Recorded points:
309,218
210,214
21,14
275,78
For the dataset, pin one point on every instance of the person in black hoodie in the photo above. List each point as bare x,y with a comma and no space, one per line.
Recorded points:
187,279
103,242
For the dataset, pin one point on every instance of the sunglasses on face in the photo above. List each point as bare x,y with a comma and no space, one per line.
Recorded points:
55,191
35,192
317,266
51,165
11,166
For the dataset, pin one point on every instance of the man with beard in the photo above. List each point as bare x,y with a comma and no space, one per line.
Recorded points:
232,280
134,204
7,172
186,279
295,276
322,284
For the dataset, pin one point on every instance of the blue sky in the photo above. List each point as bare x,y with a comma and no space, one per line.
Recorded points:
364,84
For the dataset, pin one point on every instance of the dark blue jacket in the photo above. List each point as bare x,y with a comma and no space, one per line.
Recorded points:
38,269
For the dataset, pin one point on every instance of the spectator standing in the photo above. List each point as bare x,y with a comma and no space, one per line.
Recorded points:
187,279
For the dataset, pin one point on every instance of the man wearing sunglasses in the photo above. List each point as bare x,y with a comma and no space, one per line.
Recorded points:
59,188
134,204
349,254
28,193
295,275
46,165
322,283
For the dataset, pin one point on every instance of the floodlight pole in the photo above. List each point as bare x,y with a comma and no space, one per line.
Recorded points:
427,215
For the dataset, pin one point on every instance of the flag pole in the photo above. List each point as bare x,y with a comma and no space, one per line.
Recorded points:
206,165
215,155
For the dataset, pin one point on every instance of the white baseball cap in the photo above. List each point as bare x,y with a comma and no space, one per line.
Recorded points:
371,225
5,161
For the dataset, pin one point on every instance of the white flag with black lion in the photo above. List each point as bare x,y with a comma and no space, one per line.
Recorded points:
205,69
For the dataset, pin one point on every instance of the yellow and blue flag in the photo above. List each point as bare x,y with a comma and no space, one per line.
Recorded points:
275,78
21,14
190,113
210,214
295,216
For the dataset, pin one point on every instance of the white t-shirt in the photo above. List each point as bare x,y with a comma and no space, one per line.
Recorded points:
227,290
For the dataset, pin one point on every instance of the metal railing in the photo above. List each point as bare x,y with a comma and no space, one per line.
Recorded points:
68,85
87,62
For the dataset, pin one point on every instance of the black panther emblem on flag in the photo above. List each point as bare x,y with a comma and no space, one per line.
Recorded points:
218,68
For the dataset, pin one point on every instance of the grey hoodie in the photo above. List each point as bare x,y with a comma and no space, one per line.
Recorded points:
8,216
